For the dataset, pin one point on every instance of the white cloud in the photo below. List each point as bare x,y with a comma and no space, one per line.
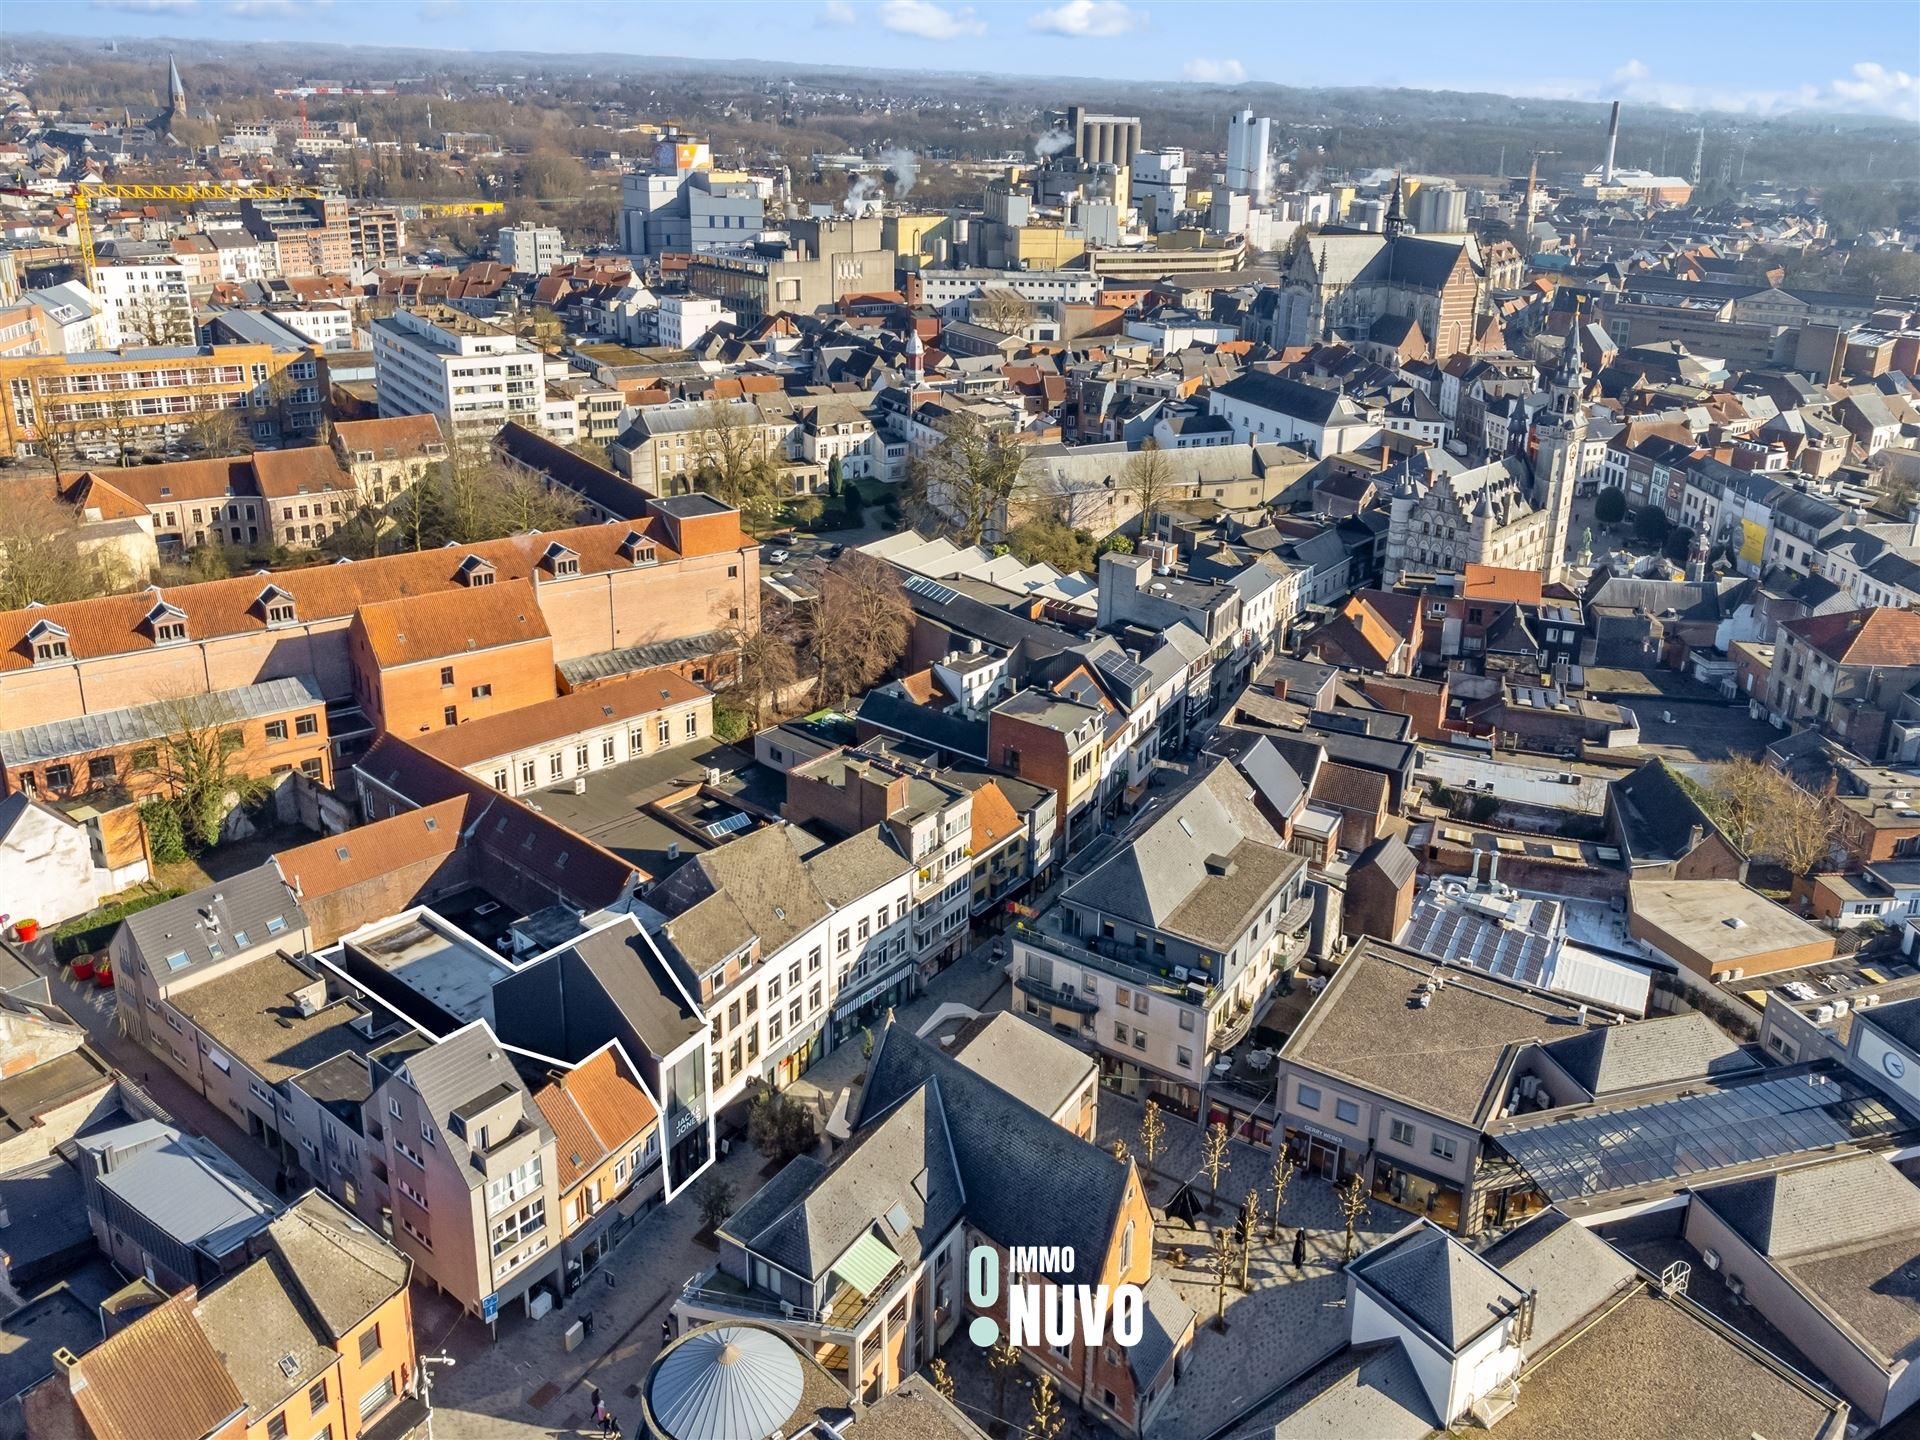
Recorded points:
1868,88
1215,72
273,9
836,12
1089,19
929,21
146,7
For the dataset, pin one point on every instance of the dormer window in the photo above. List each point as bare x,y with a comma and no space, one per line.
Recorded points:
167,622
49,642
277,605
559,560
474,572
638,550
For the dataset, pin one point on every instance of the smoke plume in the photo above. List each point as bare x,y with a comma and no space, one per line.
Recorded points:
863,194
1052,143
903,169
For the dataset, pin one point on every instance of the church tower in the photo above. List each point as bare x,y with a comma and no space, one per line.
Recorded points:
1560,431
1395,224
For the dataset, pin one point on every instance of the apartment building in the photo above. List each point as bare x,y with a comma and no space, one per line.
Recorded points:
473,1170
102,405
309,236
376,233
607,1146
146,303
473,375
682,572
388,457
928,819
1161,956
1844,674
532,249
1053,741
325,1289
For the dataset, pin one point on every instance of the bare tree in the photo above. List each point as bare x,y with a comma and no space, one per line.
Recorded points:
1803,829
767,663
41,556
1740,793
1119,1149
728,457
1215,1158
214,430
1003,1359
1153,1133
1004,309
1286,1164
197,766
963,481
1148,479
1047,1419
57,441
942,1381
1352,1198
1246,1230
1222,1272
860,624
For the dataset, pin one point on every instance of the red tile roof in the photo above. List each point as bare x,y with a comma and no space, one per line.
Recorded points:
596,1112
367,852
114,624
452,622
1862,637
617,702
403,435
166,1354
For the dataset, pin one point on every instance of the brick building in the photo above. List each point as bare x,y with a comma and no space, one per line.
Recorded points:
429,661
620,591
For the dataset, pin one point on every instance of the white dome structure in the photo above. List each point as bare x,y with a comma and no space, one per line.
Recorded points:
731,1382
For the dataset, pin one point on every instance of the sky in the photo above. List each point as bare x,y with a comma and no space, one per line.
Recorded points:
1850,56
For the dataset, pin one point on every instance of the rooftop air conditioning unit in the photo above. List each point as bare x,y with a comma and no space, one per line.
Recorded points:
1736,1288
1712,1259
579,784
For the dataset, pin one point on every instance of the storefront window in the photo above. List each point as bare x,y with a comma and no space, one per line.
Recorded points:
1417,1194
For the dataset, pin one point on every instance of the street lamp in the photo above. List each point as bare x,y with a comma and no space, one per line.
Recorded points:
426,1383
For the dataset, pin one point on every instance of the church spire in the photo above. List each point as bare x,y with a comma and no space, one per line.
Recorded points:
1396,221
176,92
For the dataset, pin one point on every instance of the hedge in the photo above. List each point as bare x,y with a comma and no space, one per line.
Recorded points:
85,934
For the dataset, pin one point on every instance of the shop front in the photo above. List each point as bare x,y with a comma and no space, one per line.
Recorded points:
1123,1077
1406,1188
868,1009
1323,1153
798,1058
1241,1117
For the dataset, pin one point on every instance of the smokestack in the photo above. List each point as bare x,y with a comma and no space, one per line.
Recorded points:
1613,139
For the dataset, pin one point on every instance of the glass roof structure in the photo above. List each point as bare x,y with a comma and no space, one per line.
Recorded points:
1699,1131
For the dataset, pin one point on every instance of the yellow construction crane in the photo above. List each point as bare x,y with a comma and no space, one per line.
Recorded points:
84,196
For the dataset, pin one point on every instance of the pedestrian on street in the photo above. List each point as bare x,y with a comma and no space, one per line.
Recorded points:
1300,1247
607,1424
599,1407
666,1333
586,1325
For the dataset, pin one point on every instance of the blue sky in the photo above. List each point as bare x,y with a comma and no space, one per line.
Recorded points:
1855,56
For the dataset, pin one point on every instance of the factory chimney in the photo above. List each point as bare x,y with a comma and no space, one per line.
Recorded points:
1613,138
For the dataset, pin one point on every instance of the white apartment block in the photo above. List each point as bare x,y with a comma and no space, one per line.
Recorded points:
685,318
948,290
146,303
438,361
328,326
532,249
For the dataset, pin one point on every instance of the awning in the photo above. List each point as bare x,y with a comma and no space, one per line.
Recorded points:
867,1265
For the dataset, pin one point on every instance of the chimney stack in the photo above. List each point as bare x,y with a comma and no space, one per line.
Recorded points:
1613,139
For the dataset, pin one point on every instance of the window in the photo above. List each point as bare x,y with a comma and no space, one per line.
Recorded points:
446,675
59,777
1346,1112
276,729
370,1343
1445,1147
1186,1019
813,997
1140,1002
310,767
774,1028
1185,1056
1139,1039
580,757
526,772
317,1396
1307,1097
636,740
275,924
1120,1032
100,769
556,765
277,1426
793,1014
606,749
1400,1132
500,779
693,726
450,715
483,692
664,732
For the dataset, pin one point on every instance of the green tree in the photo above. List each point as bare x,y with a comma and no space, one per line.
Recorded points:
780,1129
835,476
196,768
1610,506
715,1201
1650,525
1043,540
1678,546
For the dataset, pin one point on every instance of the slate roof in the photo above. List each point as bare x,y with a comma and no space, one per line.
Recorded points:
857,866
1656,814
458,1069
342,1269
181,1185
1572,1271
242,904
1272,777
1164,1319
1656,1051
264,1339
138,724
901,1159
1024,1179
599,485
1450,1292
1167,876
562,1005
1315,404
754,887
886,708
1390,856
1371,1390
1026,1061
1831,1203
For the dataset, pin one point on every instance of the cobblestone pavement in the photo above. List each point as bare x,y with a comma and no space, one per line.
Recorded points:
490,1393
1288,1319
